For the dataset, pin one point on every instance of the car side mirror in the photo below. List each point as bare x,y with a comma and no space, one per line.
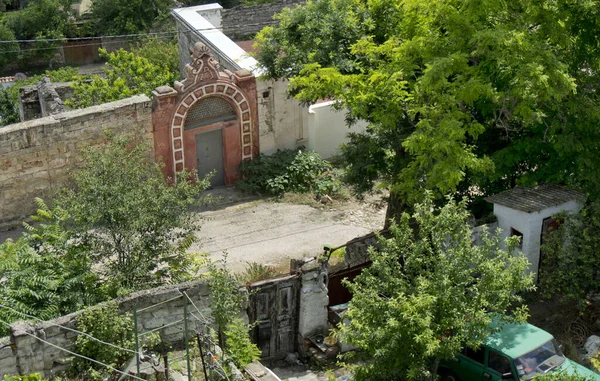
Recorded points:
507,376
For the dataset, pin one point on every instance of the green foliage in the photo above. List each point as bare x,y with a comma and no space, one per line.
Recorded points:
45,273
31,377
257,271
104,322
114,17
161,53
561,376
570,265
136,224
289,171
457,93
9,98
227,302
41,18
7,49
239,349
429,292
126,74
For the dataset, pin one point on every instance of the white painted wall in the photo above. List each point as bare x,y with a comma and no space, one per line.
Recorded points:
282,120
327,129
530,224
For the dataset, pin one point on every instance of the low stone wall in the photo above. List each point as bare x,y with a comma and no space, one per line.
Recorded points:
243,22
36,155
22,354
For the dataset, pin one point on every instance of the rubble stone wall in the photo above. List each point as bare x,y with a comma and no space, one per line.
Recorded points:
243,22
36,155
24,353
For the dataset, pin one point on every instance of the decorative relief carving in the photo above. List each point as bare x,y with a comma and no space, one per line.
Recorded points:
204,67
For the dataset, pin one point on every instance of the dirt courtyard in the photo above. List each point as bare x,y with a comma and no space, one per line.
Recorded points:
272,233
251,229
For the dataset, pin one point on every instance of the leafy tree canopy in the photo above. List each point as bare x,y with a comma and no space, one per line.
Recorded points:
41,19
570,265
114,17
429,292
120,227
128,74
458,93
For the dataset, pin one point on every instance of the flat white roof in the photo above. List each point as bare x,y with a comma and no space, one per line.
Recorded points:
221,44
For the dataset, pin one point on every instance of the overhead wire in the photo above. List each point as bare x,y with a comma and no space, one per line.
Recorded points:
77,354
70,329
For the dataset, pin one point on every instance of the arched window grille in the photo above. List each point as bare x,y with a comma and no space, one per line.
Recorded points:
208,111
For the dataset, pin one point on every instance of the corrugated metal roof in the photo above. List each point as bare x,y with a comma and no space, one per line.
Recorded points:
7,79
535,199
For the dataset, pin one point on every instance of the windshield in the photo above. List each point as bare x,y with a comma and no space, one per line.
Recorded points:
540,360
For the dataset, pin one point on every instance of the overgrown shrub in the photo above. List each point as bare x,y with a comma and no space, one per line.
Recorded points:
226,303
31,377
106,323
257,271
289,171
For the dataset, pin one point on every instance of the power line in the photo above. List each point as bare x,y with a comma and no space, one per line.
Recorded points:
76,354
70,329
122,35
90,38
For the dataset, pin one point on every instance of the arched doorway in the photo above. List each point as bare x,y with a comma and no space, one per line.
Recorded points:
208,122
210,131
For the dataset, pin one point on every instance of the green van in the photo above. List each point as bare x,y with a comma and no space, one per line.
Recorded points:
515,352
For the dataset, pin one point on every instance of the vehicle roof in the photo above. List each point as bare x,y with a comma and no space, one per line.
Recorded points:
515,340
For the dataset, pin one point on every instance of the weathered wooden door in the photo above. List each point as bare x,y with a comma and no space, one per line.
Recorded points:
274,307
209,153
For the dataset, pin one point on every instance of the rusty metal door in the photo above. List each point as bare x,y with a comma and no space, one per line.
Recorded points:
274,308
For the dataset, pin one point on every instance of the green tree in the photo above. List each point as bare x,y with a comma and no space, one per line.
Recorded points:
126,74
163,53
41,18
430,291
114,17
7,50
227,301
570,265
458,93
45,273
137,225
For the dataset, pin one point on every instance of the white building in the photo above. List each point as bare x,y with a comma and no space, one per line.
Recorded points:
283,121
528,213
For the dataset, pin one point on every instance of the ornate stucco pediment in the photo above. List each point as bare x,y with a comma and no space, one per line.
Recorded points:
203,69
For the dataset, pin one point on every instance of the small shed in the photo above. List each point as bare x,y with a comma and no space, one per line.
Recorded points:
528,213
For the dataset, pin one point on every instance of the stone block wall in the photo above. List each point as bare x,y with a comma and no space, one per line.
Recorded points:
243,22
36,155
22,354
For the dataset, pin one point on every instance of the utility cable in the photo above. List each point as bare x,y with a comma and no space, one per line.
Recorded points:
72,330
77,354
121,35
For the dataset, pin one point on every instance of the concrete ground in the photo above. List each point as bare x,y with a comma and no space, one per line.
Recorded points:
272,233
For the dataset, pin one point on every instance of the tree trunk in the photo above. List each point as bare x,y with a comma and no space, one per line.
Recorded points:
394,210
434,369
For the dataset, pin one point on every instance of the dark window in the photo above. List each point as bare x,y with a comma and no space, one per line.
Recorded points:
498,363
475,355
515,232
